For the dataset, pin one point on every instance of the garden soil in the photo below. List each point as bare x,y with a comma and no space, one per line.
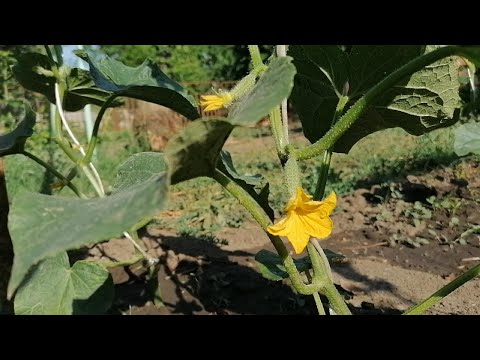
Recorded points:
399,248
397,253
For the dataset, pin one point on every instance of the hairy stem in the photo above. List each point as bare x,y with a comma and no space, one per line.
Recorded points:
336,300
324,258
282,51
277,132
255,56
274,116
316,296
444,291
322,272
323,175
334,297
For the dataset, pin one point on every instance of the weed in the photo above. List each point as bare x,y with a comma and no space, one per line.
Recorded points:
451,205
418,212
385,214
401,239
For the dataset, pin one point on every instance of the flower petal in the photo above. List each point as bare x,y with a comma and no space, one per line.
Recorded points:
316,226
310,206
211,107
292,227
280,227
210,97
306,218
296,233
326,205
300,198
303,195
330,202
299,242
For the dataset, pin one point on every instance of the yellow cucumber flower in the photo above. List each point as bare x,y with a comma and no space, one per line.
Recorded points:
306,218
214,102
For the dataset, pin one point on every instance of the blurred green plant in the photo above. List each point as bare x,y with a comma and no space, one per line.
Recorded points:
190,63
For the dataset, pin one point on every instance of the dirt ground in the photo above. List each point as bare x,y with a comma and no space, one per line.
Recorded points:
399,247
400,243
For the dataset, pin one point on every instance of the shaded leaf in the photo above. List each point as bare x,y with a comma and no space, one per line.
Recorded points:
138,168
42,226
467,139
14,141
81,90
194,151
272,87
322,64
145,82
28,72
271,266
225,164
53,288
425,101
369,64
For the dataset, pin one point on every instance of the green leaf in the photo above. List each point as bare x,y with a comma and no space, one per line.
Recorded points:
272,87
321,64
467,139
24,175
14,141
251,184
34,72
370,64
29,71
194,151
225,164
81,90
53,288
138,168
271,266
145,82
424,102
42,226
